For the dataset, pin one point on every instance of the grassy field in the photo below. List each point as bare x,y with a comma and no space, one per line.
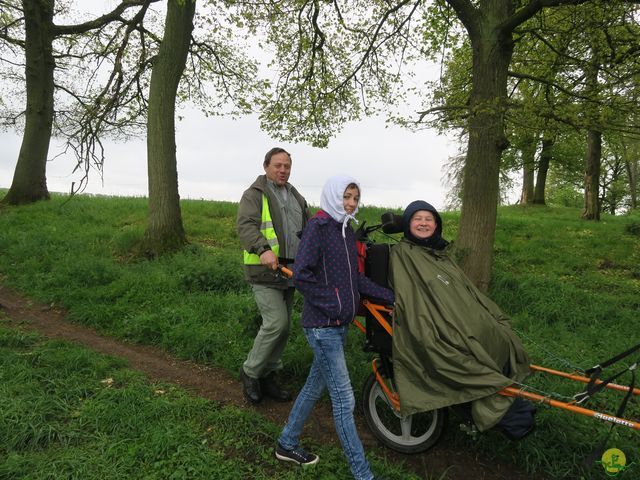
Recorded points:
572,288
69,413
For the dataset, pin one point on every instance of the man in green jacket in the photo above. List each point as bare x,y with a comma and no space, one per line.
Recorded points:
271,214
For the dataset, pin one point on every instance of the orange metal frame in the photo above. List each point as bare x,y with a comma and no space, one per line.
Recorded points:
569,406
582,378
393,397
376,311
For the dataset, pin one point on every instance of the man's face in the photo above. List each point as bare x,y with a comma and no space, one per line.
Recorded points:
279,169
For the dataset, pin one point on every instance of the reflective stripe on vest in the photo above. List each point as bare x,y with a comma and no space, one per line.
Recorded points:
267,230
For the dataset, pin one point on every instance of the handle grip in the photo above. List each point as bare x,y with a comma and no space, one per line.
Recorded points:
285,271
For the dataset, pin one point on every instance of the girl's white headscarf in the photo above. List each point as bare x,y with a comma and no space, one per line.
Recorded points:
331,200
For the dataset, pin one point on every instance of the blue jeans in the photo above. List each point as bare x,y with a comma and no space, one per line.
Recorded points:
329,369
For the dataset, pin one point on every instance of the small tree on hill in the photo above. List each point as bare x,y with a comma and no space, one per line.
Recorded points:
36,20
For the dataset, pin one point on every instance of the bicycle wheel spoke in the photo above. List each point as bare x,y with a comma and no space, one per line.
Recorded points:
380,394
405,427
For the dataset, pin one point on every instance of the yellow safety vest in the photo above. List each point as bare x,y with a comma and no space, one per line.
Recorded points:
266,228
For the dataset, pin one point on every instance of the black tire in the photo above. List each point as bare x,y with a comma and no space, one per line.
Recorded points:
413,434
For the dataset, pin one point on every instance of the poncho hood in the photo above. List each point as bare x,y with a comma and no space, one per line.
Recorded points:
435,241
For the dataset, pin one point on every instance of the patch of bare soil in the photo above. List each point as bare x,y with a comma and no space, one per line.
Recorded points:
217,385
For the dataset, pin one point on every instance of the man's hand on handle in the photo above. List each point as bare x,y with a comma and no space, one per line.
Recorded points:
269,259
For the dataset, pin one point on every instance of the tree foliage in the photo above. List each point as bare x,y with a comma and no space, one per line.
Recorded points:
548,100
58,69
333,62
219,78
102,72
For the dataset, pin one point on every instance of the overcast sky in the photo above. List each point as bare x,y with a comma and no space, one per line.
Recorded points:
218,158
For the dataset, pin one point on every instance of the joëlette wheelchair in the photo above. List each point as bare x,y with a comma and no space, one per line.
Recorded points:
419,432
380,401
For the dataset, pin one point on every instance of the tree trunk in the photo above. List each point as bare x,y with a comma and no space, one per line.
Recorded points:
543,168
492,50
29,179
612,194
592,176
631,160
528,152
593,154
165,231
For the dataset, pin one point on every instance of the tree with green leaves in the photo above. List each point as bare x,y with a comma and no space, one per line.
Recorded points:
201,60
165,231
591,64
28,29
337,58
630,153
132,78
490,26
548,89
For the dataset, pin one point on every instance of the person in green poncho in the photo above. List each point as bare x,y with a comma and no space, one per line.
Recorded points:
452,345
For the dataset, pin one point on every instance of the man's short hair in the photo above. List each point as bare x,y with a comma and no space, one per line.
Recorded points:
271,153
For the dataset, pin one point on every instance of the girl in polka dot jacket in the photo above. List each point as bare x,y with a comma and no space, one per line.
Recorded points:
326,267
326,274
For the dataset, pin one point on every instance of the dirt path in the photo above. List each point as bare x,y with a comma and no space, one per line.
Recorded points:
217,385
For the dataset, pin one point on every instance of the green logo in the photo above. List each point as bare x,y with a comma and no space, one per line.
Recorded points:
613,461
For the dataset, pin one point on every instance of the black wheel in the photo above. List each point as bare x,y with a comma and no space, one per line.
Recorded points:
412,434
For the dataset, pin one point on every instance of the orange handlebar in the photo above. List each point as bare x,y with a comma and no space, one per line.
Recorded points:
285,271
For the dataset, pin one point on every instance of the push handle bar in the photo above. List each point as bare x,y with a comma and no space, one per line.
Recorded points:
390,223
285,271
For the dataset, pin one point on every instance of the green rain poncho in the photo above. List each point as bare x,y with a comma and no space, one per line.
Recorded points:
451,343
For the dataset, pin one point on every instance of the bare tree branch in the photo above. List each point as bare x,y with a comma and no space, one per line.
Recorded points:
113,15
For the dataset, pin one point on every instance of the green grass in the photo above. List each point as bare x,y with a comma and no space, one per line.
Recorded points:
572,288
70,413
